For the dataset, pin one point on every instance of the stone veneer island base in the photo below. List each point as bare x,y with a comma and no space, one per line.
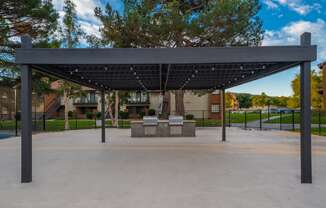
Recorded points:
163,129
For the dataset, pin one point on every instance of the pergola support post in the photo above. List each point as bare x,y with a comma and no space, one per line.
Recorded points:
26,117
305,100
103,115
223,115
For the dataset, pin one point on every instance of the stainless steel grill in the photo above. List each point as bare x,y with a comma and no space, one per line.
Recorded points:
150,120
175,120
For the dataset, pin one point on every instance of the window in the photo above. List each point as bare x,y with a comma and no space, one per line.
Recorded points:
215,108
92,97
138,97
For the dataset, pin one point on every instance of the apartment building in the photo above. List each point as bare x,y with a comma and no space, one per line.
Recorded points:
201,106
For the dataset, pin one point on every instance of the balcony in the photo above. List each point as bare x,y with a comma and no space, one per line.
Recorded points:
138,99
89,100
85,104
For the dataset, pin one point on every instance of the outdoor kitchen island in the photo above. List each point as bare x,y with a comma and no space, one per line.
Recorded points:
150,126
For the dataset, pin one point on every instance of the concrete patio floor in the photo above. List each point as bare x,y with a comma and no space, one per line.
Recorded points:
73,169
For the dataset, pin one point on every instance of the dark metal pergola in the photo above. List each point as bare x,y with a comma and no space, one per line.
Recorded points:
166,69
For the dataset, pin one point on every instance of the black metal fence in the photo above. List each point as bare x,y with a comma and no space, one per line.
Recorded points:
12,127
277,119
246,119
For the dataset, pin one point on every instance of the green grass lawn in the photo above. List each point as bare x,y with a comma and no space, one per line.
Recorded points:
315,131
287,118
240,117
207,122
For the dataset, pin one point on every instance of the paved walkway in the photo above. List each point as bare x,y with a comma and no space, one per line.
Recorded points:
73,169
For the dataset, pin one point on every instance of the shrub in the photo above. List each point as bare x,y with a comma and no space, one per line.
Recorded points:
98,115
151,112
70,114
141,114
89,115
190,117
123,115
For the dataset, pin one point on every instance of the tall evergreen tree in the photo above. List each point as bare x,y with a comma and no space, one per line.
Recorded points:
185,23
71,34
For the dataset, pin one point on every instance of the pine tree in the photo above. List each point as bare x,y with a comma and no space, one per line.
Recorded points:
71,34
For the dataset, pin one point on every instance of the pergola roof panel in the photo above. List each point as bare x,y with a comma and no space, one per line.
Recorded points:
165,68
166,55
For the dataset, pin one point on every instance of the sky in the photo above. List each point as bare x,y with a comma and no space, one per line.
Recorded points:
283,22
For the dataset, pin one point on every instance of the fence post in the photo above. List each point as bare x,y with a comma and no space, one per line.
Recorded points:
229,118
293,124
35,120
203,118
43,121
268,110
260,120
280,120
16,125
319,123
76,120
245,119
95,121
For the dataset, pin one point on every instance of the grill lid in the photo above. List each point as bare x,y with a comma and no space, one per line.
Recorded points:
150,120
175,120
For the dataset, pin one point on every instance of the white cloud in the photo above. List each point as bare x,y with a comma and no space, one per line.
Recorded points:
290,35
85,12
296,5
84,8
90,29
271,4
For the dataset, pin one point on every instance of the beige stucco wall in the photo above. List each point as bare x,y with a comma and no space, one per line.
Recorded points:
154,101
194,104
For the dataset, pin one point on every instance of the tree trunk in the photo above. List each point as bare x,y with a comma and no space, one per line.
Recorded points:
116,109
110,109
179,104
66,100
166,109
